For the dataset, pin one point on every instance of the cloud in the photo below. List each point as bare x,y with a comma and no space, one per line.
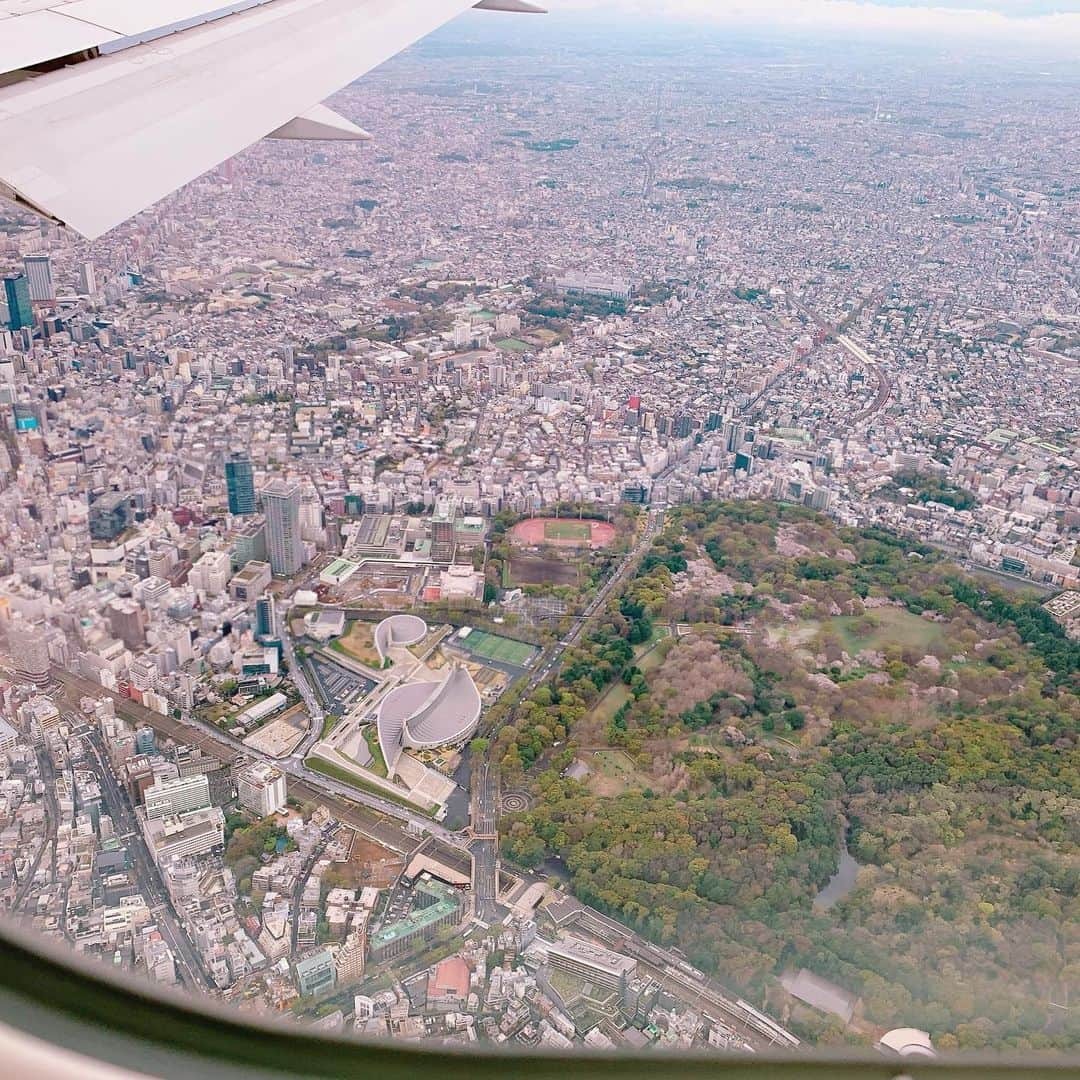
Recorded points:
1036,25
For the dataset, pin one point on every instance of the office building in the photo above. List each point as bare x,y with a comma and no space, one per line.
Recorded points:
38,270
126,623
40,714
17,298
143,674
210,575
260,788
109,516
592,962
240,485
281,501
437,906
87,279
350,957
442,532
9,736
194,833
265,617
316,973
30,651
177,795
191,761
250,581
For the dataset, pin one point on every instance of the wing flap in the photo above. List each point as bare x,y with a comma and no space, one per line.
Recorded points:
38,36
128,18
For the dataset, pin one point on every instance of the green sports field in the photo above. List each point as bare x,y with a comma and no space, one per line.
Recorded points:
505,650
567,530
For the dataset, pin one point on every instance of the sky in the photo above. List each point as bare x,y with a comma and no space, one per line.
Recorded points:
1050,24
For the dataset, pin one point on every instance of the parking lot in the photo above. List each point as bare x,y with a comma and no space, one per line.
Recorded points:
340,688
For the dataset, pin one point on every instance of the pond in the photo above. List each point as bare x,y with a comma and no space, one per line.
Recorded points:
842,882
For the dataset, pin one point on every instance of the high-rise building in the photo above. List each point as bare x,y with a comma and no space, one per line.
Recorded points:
281,501
350,957
442,531
316,973
265,617
179,795
193,833
30,650
17,298
240,484
38,270
87,279
126,623
108,516
260,788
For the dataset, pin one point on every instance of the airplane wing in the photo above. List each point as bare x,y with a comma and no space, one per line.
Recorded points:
89,136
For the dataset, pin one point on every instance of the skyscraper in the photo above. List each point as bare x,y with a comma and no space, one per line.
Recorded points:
87,279
265,617
30,649
281,501
17,297
240,484
39,275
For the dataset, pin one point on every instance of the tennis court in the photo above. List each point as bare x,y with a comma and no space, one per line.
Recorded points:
504,650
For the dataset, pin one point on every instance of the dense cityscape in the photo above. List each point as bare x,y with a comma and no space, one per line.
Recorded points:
328,483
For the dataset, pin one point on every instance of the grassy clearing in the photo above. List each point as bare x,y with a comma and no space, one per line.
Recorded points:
329,723
617,696
344,776
886,626
371,737
358,642
613,773
567,530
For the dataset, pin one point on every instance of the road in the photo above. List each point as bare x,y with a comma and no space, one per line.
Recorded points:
307,693
48,840
485,780
549,659
147,878
884,388
485,846
298,894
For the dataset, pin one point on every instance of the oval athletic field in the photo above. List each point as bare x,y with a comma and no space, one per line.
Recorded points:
563,532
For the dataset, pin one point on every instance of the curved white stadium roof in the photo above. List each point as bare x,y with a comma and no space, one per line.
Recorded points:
398,631
425,715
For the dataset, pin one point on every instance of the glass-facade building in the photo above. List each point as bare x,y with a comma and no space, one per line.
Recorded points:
240,485
17,298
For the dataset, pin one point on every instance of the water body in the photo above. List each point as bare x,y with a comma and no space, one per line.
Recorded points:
842,882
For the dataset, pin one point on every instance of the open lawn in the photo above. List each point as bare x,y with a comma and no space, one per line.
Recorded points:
617,696
358,641
378,762
886,626
613,773
648,657
567,530
504,650
344,776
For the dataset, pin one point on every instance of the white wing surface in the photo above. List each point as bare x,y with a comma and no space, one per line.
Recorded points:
89,139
